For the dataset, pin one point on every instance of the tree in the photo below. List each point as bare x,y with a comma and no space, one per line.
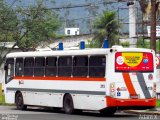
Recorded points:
145,6
107,26
8,27
27,27
37,24
151,12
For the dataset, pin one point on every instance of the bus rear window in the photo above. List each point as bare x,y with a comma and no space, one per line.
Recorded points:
133,61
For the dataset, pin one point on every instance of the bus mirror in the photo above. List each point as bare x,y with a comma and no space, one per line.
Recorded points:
5,67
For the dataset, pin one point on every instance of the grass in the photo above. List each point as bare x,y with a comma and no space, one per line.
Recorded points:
158,103
2,99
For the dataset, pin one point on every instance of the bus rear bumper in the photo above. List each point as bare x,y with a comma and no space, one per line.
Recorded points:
131,103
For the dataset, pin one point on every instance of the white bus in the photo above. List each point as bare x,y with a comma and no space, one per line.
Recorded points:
91,79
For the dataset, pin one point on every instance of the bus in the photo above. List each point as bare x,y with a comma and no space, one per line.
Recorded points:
100,79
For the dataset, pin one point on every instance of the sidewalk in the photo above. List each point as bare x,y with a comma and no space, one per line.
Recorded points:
149,112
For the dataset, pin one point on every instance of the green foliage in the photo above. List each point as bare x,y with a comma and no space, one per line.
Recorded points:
27,27
93,44
141,43
2,99
38,24
125,44
158,45
1,96
107,26
158,103
8,23
145,43
8,26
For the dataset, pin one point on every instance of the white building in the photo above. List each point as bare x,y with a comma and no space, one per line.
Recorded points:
71,31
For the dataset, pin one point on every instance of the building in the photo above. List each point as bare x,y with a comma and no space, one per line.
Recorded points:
71,31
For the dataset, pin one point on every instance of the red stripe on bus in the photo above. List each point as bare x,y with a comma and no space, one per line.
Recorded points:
60,78
129,84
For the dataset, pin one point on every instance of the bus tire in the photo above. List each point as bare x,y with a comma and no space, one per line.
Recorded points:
108,111
19,101
68,104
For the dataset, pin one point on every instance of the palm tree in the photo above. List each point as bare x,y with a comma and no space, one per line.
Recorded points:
107,26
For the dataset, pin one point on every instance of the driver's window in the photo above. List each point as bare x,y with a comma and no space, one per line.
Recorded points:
9,70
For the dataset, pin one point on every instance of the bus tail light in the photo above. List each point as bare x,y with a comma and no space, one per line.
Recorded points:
112,89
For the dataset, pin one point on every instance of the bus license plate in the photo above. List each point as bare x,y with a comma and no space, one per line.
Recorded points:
134,96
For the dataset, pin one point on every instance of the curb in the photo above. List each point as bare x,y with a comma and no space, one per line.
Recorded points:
142,112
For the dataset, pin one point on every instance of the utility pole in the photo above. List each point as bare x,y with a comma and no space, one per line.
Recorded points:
132,23
153,25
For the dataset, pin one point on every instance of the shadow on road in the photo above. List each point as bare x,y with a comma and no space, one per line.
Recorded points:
39,110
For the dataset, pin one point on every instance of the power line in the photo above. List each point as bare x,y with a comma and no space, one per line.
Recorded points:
81,5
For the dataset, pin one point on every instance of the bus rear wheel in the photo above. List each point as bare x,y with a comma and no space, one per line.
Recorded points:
19,101
68,104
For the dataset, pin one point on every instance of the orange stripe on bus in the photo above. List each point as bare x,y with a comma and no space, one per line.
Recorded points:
129,84
60,78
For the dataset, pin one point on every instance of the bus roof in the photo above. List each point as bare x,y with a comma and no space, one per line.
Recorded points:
93,51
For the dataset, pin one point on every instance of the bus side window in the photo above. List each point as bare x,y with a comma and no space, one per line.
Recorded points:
64,66
19,67
39,66
97,66
10,70
51,66
28,66
80,66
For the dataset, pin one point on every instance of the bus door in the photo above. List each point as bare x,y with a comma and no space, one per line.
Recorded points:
135,73
9,70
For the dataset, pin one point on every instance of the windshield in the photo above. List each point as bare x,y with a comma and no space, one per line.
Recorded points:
133,61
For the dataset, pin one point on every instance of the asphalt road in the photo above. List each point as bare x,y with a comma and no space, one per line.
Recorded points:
10,113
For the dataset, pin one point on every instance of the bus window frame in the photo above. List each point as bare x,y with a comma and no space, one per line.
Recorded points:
47,66
22,66
60,67
89,67
75,66
28,67
37,66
